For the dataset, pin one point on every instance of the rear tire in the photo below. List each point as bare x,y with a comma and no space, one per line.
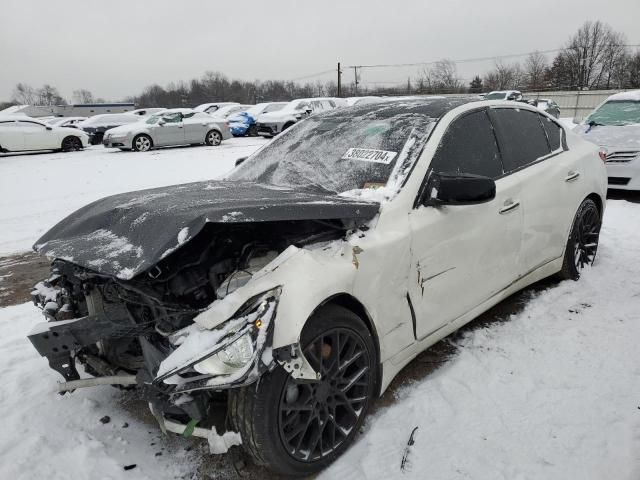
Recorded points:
582,244
297,428
142,143
71,144
213,138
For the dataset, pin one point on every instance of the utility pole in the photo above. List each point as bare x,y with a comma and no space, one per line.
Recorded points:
355,75
339,81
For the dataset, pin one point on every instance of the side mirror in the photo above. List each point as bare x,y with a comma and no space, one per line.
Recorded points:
49,128
161,123
458,189
240,160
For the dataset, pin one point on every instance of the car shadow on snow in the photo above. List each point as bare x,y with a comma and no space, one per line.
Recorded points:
628,195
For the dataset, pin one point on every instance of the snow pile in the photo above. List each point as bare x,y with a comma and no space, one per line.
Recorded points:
553,393
633,95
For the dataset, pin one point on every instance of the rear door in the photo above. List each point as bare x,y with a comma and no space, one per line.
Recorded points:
464,254
195,127
533,146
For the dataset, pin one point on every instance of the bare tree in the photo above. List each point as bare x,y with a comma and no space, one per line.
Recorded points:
82,96
535,67
441,78
48,95
503,76
23,94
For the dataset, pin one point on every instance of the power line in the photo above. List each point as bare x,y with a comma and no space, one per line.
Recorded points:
312,75
477,59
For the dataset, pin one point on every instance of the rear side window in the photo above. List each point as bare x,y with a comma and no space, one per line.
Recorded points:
469,146
554,132
522,138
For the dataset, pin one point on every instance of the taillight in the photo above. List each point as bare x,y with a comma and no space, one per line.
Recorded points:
603,154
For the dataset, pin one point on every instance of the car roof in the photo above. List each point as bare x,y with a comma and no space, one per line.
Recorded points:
430,107
177,110
15,118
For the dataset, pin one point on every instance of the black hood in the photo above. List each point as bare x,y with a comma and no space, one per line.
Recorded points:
124,235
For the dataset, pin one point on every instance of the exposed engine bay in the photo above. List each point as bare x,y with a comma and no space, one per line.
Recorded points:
125,329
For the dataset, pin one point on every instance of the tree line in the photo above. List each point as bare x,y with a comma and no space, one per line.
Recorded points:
595,57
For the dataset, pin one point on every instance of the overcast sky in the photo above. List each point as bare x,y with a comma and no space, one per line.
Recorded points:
115,48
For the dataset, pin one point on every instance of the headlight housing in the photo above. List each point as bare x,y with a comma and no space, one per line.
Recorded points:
233,352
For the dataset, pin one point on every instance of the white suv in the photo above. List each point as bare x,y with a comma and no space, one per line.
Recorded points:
273,123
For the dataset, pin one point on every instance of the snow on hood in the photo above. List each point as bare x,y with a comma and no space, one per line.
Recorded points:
611,136
633,95
124,235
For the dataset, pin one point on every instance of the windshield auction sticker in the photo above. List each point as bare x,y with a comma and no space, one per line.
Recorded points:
369,155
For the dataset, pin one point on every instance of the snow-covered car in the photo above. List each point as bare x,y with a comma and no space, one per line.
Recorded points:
546,105
243,123
226,111
145,112
98,124
212,107
615,126
353,101
20,133
504,95
287,296
177,126
71,122
273,123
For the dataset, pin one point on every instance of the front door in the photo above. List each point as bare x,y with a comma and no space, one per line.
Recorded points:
464,254
170,130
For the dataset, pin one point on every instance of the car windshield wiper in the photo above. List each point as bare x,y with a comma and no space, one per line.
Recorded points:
593,123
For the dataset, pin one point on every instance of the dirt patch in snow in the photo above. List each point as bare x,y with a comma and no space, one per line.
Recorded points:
18,274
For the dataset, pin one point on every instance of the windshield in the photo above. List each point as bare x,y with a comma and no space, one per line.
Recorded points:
341,152
495,96
616,112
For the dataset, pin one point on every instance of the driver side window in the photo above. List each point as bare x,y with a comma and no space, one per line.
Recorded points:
469,146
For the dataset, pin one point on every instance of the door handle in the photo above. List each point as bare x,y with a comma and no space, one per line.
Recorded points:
571,176
509,206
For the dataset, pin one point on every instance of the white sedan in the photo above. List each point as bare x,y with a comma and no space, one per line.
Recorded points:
19,134
177,126
287,296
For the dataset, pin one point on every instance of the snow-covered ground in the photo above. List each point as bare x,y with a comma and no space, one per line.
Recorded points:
551,393
38,190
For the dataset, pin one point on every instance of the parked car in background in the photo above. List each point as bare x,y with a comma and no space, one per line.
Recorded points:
546,105
273,123
224,112
212,107
145,112
285,298
20,133
504,95
243,123
615,126
177,126
98,124
353,101
71,122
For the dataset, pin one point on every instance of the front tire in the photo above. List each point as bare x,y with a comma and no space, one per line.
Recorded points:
213,138
142,143
299,428
71,144
582,244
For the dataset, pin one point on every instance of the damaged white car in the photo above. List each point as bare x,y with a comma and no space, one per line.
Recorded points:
277,304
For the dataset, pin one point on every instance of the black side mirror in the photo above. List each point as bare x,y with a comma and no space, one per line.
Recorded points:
240,160
49,128
458,189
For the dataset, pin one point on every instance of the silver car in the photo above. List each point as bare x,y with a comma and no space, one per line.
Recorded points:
178,126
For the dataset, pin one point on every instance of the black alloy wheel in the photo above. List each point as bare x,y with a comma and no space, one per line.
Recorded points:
582,245
296,427
71,144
